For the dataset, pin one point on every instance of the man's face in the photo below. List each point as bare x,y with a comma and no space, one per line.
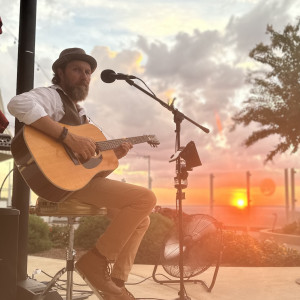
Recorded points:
75,79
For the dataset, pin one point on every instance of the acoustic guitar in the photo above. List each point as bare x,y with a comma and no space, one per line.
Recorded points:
53,171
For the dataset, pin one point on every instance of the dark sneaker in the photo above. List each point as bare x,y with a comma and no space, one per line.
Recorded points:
95,270
126,295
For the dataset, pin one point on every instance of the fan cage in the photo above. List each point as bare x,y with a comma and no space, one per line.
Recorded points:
202,246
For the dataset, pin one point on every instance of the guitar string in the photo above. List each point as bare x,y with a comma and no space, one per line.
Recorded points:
115,143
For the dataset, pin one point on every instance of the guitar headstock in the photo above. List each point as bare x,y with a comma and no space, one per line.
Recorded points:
152,140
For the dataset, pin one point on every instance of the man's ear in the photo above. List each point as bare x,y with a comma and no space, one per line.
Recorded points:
60,74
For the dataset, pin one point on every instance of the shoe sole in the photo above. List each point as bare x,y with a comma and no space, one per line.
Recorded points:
95,291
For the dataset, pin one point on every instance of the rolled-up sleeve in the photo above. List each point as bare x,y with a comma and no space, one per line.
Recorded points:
40,102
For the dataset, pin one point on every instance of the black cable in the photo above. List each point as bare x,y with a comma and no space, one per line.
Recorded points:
64,280
135,283
147,86
62,288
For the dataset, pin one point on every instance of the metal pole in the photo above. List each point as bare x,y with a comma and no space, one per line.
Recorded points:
149,173
25,75
9,187
211,185
286,184
293,200
248,175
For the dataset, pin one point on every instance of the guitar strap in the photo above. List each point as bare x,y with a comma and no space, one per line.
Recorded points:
71,116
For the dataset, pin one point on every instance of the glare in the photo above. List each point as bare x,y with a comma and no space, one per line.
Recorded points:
239,199
241,203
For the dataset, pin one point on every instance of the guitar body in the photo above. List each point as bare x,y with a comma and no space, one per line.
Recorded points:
49,170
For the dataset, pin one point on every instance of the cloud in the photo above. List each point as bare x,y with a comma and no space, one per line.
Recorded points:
249,29
198,69
201,59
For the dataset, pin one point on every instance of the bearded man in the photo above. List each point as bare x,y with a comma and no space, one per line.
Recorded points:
47,109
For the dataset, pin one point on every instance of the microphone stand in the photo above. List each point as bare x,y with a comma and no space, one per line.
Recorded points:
178,118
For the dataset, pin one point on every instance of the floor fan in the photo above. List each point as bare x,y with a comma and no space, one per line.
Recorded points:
202,248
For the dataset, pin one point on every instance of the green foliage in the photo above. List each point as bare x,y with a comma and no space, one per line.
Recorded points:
274,103
277,255
89,230
292,228
153,241
59,236
244,250
38,235
240,249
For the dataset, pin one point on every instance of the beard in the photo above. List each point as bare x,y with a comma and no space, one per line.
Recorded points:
77,92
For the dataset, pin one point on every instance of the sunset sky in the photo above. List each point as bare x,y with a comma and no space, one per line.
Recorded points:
196,51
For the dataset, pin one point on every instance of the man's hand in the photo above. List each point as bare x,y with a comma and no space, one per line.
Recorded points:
123,149
83,146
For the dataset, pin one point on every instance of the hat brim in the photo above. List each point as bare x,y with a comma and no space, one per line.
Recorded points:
75,56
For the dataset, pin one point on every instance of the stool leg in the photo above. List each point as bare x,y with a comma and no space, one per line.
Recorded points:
70,258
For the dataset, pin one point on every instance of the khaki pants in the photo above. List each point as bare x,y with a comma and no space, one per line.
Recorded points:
129,206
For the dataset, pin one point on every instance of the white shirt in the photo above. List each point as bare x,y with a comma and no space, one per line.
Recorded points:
37,103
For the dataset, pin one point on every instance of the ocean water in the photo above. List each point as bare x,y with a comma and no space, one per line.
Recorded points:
268,217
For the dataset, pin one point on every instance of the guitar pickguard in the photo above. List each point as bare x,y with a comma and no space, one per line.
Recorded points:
93,162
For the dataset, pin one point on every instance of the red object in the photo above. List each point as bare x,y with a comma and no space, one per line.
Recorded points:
3,122
1,26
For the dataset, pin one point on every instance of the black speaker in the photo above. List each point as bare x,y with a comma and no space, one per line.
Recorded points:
9,228
190,155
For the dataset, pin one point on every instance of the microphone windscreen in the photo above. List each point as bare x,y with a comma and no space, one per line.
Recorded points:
108,76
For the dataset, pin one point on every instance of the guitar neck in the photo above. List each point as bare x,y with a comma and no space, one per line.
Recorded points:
112,144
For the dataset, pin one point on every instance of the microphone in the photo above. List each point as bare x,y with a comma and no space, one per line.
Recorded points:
109,76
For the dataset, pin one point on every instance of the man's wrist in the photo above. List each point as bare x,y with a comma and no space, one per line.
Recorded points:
63,135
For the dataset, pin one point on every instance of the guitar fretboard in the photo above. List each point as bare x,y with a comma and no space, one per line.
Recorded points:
112,144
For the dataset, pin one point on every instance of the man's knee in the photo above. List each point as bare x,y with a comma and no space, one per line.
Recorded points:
151,199
145,223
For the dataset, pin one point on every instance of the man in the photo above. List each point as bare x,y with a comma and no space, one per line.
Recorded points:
43,108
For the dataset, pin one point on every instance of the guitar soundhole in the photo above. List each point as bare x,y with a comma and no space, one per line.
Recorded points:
92,162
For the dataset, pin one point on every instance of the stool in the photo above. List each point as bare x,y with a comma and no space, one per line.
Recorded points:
71,209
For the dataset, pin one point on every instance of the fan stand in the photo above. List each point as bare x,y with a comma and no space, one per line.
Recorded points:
181,172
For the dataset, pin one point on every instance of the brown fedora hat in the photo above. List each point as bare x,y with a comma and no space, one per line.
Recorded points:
70,54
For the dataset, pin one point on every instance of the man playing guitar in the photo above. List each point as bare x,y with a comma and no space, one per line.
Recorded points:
53,111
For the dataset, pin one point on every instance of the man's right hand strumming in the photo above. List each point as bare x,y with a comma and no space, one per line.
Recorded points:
83,146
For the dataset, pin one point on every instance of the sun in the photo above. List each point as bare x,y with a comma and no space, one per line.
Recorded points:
241,203
239,199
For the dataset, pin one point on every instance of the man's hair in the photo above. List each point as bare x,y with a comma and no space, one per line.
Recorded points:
56,79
